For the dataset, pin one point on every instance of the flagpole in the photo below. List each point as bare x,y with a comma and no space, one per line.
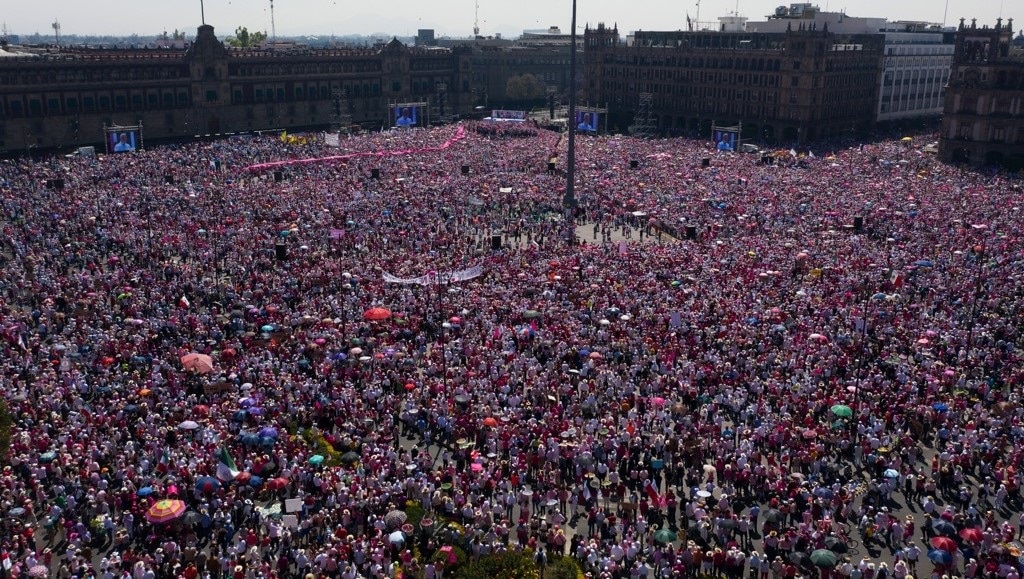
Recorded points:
202,12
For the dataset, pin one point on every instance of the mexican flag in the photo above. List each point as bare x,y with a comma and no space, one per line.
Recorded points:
226,469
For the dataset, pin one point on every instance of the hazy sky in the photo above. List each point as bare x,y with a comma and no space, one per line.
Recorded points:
447,17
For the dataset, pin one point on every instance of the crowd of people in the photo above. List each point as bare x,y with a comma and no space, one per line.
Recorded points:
221,365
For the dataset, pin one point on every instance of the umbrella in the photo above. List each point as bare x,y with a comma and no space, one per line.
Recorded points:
774,516
396,538
165,511
944,543
47,457
490,421
800,558
944,528
240,415
349,458
197,362
823,558
277,483
842,410
268,432
255,481
809,434
703,494
243,477
39,571
207,484
145,491
249,439
16,511
971,535
836,545
664,536
941,557
528,314
891,473
924,263
316,459
394,519
940,407
188,425
376,314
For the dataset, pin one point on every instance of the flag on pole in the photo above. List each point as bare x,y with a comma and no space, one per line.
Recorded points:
183,302
689,24
226,469
896,279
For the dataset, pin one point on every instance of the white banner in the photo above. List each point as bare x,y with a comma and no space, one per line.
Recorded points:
332,140
435,278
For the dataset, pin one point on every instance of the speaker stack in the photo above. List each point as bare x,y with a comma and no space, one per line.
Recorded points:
465,169
705,162
634,164
278,176
858,223
375,173
495,242
691,232
280,251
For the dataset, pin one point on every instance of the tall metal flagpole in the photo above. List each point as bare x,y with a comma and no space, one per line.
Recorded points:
569,201
202,12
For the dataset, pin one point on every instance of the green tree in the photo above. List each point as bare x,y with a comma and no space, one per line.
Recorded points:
244,39
524,87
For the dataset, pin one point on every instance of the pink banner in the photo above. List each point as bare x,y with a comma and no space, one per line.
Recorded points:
460,134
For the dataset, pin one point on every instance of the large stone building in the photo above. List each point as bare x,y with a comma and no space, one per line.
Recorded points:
983,122
798,85
66,98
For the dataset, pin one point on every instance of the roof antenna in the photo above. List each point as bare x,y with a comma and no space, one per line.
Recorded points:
476,20
56,31
273,27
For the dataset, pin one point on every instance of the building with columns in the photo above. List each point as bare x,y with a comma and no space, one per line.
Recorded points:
983,119
65,97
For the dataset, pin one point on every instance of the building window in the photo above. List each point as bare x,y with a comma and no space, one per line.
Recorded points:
211,96
396,86
794,81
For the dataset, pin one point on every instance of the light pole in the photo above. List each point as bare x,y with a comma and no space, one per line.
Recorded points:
569,201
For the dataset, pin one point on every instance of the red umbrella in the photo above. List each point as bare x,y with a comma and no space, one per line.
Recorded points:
971,535
376,314
277,483
944,543
490,421
201,410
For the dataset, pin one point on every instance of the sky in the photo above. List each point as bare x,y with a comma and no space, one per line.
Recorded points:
447,17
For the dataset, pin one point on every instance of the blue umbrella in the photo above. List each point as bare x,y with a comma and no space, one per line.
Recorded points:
944,528
316,459
267,328
145,491
878,297
255,481
924,263
240,415
249,439
48,457
207,484
891,473
268,432
939,556
940,407
256,411
267,441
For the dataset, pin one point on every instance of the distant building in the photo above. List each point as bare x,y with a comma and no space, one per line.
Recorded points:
66,98
425,37
493,66
915,69
805,83
983,120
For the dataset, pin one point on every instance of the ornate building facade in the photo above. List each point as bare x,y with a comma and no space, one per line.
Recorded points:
794,86
983,120
66,98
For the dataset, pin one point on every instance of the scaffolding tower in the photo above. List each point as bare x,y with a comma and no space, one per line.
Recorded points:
341,114
643,123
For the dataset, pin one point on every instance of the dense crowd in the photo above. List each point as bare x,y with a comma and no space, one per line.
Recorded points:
189,342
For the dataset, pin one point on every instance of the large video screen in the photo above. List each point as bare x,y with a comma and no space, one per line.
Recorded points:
406,116
123,140
586,121
726,140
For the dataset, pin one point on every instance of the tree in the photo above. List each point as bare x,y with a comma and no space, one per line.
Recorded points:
245,39
524,87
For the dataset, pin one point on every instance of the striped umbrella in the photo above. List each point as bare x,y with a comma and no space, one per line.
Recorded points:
165,511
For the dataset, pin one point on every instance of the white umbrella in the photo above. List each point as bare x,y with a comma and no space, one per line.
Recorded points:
397,537
189,425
